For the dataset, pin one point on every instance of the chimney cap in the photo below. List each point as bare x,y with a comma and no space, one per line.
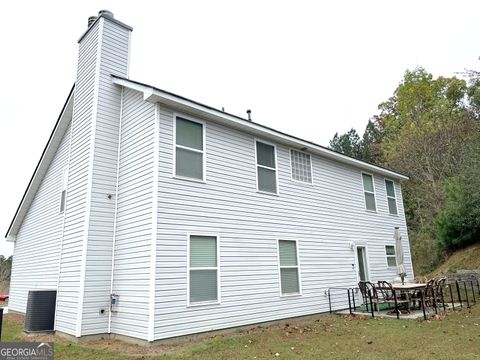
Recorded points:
106,13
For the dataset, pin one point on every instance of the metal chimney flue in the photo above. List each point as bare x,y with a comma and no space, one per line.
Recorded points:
105,13
249,113
91,20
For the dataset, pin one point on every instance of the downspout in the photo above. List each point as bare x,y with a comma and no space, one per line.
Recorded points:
116,207
153,239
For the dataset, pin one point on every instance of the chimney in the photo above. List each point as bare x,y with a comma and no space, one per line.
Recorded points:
94,130
249,114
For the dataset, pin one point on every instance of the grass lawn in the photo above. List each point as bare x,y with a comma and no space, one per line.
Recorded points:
454,336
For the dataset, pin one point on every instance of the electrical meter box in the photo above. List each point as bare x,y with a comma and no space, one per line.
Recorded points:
114,302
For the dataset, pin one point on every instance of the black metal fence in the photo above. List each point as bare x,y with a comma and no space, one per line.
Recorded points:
458,293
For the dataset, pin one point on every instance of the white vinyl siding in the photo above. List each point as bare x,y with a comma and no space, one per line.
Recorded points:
266,167
289,267
369,192
37,247
323,218
203,270
390,254
189,149
391,199
301,166
134,217
106,100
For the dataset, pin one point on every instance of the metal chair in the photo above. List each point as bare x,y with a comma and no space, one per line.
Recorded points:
389,295
372,298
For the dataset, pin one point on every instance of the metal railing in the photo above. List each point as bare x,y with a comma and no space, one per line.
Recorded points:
459,292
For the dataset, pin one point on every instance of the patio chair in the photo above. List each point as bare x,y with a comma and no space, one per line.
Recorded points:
439,286
386,289
428,294
365,287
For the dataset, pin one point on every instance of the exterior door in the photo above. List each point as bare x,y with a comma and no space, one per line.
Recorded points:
362,263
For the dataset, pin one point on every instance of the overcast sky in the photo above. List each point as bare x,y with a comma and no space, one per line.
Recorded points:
308,68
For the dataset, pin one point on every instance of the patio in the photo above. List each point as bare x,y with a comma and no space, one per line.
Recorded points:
404,301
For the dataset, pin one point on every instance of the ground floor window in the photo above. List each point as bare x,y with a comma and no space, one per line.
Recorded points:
289,267
203,269
390,252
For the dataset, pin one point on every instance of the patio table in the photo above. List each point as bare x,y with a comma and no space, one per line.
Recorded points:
408,287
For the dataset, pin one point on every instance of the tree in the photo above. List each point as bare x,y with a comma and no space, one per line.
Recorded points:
348,143
425,129
371,150
5,270
459,221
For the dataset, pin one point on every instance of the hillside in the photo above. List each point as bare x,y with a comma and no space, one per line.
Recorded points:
464,259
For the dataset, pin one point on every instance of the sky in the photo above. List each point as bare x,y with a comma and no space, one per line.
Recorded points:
307,68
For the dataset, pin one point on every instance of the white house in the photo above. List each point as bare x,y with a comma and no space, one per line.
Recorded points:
195,219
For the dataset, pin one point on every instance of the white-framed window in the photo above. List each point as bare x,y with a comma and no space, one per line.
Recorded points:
390,254
266,160
301,165
189,149
369,192
63,194
203,270
289,268
392,201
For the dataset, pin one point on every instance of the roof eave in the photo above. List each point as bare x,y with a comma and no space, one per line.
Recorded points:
155,95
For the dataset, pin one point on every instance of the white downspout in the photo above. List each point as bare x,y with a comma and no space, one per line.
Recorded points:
116,208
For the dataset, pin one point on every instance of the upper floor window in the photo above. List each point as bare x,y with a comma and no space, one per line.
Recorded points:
289,268
189,149
369,192
203,276
301,165
392,202
63,194
266,167
390,253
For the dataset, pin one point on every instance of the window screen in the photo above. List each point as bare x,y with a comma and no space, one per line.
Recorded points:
63,193
266,167
289,279
390,252
369,192
203,269
392,201
301,166
189,151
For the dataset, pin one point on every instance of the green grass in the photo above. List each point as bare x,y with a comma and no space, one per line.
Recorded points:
455,336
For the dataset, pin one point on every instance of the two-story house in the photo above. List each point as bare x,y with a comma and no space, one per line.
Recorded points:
195,219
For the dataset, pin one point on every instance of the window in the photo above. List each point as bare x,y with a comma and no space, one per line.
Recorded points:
390,251
301,166
369,192
203,279
189,149
392,202
266,167
288,264
63,194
